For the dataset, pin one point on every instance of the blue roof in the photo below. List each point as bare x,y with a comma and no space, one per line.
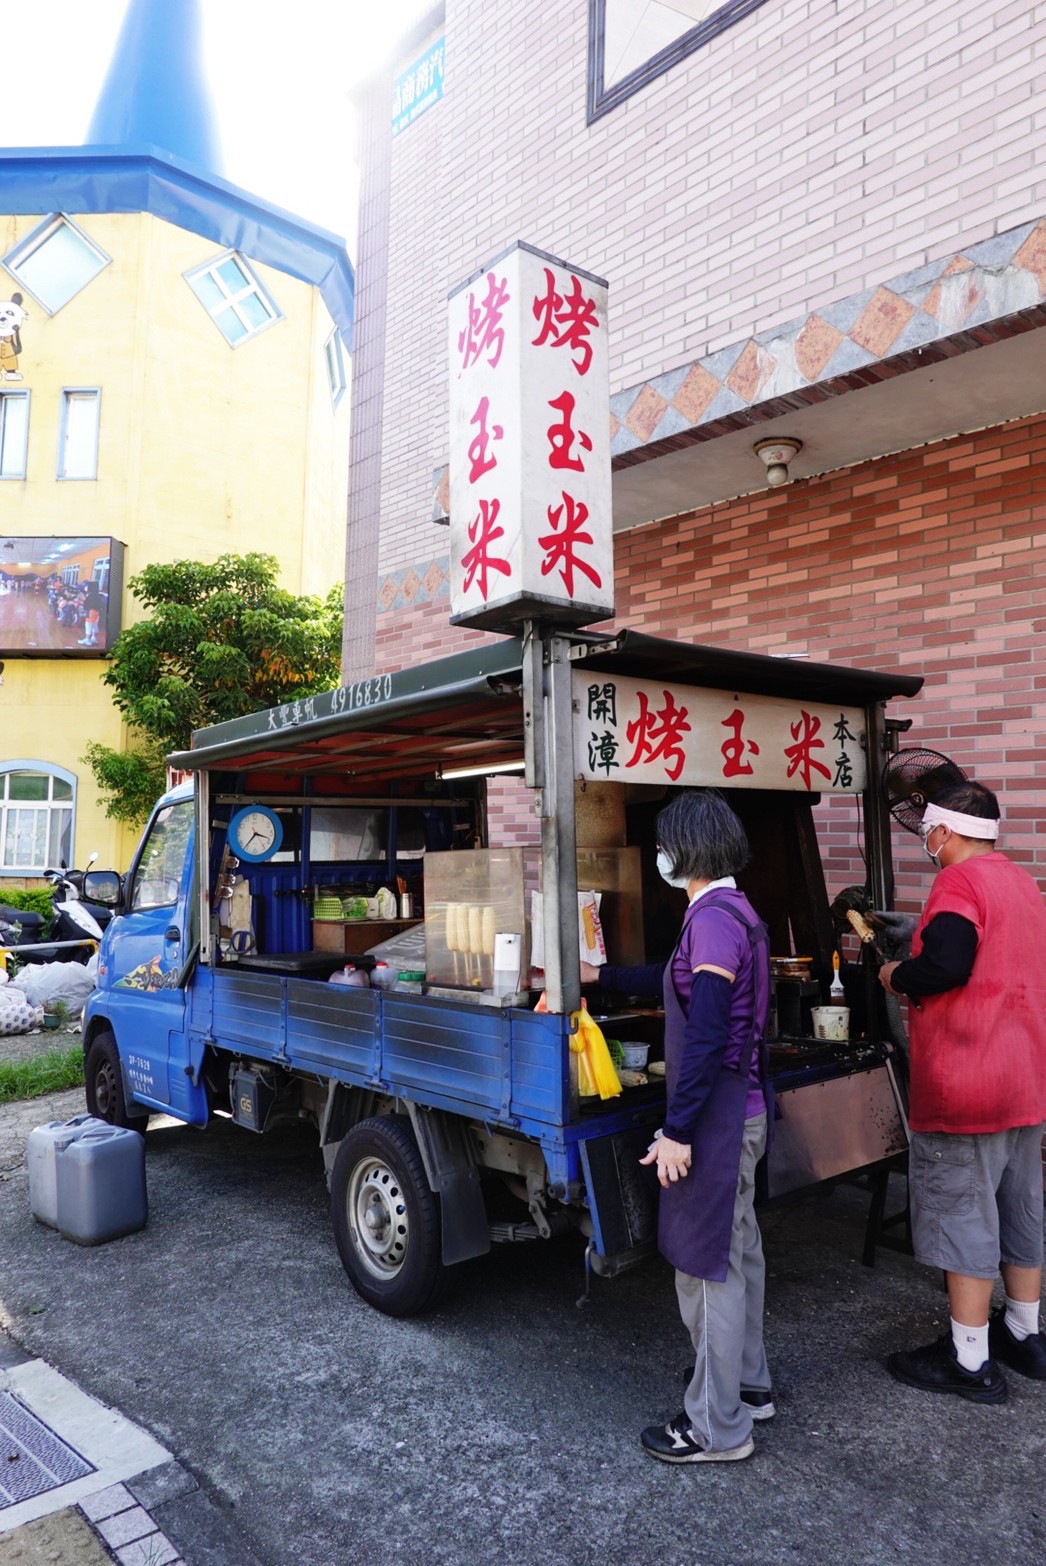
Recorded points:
82,180
154,92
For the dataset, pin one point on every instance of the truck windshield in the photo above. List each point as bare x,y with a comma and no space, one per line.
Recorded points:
159,873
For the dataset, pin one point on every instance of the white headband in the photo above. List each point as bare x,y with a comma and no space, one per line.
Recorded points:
966,826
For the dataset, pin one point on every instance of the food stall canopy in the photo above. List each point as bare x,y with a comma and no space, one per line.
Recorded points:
465,710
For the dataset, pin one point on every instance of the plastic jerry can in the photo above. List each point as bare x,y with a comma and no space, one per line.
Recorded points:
350,978
41,1155
101,1185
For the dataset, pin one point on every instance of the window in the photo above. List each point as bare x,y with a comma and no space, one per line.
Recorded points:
233,297
631,42
36,817
78,435
55,261
158,876
335,358
14,433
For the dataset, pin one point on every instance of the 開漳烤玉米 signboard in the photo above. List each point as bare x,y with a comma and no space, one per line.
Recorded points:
530,511
647,731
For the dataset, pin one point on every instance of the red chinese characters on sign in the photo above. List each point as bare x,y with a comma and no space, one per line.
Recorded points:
483,330
733,749
560,546
561,437
800,758
566,320
657,735
484,531
481,458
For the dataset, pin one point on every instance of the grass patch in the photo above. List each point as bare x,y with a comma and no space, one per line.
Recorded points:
51,1072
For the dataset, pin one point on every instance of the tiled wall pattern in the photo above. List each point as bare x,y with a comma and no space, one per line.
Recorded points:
804,156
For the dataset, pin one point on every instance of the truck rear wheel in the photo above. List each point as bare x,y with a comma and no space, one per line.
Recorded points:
386,1219
103,1080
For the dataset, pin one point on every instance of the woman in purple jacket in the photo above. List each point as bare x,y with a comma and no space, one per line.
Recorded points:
716,993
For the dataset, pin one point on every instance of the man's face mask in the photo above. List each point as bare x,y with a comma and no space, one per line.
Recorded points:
664,866
933,854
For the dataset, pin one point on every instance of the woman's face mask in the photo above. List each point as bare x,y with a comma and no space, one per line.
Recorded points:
933,855
664,866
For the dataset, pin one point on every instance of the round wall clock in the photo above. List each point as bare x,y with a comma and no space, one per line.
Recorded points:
255,833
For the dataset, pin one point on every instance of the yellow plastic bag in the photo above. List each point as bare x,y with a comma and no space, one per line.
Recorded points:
595,1069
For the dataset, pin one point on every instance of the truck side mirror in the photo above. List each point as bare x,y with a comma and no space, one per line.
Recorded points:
105,887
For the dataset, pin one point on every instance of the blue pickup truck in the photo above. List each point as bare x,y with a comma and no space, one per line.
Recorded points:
448,1108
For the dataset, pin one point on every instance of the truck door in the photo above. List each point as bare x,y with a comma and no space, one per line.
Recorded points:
146,954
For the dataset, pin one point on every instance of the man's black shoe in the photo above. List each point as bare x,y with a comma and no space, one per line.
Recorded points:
1026,1356
676,1443
759,1402
935,1368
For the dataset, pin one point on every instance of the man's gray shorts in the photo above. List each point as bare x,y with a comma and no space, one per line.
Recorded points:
977,1200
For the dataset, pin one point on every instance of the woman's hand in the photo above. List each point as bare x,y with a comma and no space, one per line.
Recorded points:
672,1159
589,973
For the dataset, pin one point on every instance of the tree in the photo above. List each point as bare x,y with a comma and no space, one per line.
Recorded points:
221,640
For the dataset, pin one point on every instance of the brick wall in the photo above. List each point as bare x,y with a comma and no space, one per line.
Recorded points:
927,562
805,154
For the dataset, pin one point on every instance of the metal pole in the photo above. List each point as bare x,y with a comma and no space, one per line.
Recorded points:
554,763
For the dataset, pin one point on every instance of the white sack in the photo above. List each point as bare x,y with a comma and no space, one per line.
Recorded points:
16,1014
46,982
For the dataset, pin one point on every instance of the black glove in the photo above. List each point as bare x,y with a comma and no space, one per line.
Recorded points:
896,931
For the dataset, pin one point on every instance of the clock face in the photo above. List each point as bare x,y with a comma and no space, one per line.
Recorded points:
256,832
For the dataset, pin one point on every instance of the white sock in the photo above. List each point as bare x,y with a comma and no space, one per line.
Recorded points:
971,1344
1022,1318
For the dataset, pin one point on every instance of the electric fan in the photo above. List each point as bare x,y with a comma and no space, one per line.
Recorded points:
912,778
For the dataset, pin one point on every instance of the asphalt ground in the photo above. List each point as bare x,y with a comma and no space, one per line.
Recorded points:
504,1428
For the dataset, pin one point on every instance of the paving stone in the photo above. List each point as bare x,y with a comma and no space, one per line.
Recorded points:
63,1539
106,1503
125,1526
158,1485
154,1550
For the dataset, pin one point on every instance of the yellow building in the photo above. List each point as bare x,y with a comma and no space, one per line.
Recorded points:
173,378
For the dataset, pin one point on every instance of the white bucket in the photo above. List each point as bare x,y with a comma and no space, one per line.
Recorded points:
831,1022
635,1056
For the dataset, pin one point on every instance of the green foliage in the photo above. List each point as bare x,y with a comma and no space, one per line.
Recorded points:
222,640
36,899
130,780
52,1072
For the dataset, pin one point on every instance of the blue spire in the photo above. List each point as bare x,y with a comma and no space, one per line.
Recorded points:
154,93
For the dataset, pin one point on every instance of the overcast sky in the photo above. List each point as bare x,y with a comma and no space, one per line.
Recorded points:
279,87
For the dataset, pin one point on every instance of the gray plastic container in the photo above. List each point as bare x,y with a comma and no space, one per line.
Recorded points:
41,1156
101,1185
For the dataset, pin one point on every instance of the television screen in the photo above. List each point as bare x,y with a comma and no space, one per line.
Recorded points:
59,597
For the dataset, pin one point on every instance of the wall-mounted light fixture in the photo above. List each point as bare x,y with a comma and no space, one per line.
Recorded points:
777,451
479,770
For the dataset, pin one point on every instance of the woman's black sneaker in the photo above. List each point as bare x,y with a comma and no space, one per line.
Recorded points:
935,1368
676,1443
1027,1356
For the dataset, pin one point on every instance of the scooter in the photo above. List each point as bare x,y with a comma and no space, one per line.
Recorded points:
75,928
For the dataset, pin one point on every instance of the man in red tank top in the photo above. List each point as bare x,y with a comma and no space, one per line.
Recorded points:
978,1099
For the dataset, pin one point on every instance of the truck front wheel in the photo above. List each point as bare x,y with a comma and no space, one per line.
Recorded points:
103,1080
386,1219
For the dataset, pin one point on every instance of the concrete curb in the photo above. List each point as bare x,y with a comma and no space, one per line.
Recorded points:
139,1507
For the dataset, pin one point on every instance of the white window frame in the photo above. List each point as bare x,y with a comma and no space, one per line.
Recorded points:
40,768
334,359
231,301
38,237
23,395
72,394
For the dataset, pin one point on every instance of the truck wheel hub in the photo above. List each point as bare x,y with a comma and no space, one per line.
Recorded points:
378,1212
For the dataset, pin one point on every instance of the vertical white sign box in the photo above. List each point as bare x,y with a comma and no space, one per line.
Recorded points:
530,510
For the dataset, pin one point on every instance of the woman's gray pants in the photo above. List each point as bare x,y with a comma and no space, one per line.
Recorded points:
725,1320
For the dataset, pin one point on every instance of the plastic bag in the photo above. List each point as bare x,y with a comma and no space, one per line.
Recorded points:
16,1014
595,1068
44,983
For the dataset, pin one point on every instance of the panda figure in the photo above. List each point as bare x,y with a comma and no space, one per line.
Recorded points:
12,315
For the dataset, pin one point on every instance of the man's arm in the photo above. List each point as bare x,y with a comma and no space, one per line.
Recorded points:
949,946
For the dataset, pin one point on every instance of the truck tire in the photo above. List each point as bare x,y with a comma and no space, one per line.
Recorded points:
103,1080
386,1219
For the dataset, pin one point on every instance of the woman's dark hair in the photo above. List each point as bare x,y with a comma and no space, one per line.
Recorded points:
969,799
702,837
